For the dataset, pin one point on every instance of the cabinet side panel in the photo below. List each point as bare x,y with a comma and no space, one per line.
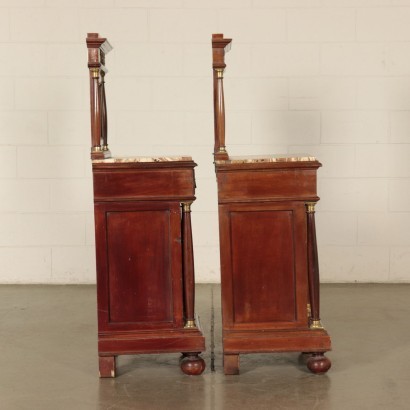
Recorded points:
139,271
263,268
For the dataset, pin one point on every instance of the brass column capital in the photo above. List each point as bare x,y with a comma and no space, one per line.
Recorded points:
219,72
186,206
310,207
95,72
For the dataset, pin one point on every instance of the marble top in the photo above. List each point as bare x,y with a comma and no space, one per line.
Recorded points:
118,160
249,159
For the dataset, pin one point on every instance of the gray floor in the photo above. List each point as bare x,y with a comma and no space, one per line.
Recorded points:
49,357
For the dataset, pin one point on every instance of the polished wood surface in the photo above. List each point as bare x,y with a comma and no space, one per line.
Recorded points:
144,252
134,181
258,290
268,250
140,284
271,181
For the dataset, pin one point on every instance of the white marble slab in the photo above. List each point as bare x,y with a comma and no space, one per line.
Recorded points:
118,160
248,159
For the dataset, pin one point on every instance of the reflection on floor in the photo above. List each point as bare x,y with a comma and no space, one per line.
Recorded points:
49,360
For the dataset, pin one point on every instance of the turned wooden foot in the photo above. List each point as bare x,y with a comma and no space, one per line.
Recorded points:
318,363
231,364
106,366
192,364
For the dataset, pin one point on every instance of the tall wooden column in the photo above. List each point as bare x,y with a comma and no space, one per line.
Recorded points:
188,266
220,46
95,105
97,48
313,268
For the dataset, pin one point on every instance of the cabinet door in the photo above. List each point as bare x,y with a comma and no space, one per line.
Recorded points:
139,270
264,265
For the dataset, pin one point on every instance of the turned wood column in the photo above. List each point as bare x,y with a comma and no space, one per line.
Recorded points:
103,108
188,266
98,47
219,113
313,268
220,46
95,104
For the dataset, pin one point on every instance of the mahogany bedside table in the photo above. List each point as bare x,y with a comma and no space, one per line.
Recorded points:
145,265
269,263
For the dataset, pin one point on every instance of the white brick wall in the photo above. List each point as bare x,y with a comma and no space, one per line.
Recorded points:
326,77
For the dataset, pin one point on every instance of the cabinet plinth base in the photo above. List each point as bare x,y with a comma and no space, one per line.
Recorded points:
315,342
189,341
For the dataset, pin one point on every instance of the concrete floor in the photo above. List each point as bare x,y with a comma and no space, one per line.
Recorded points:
49,357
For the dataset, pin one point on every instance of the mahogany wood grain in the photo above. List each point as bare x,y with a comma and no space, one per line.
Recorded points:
276,182
268,295
268,250
261,271
154,341
122,183
140,282
118,282
279,340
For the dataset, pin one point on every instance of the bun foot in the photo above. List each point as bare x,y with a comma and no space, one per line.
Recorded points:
318,363
192,364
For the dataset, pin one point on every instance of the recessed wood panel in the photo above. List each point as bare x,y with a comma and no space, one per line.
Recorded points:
139,269
263,270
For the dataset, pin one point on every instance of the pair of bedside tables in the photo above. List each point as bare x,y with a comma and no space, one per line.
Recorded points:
144,252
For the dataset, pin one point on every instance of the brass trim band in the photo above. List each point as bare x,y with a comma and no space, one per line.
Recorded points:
190,324
97,148
316,324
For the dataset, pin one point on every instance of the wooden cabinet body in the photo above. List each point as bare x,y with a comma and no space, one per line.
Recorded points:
268,251
139,238
144,252
264,258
